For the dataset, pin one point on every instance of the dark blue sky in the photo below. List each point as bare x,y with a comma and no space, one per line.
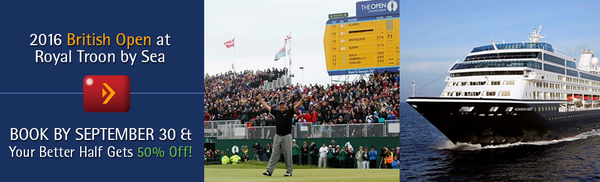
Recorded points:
435,34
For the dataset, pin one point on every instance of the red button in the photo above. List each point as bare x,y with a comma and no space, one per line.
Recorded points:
106,93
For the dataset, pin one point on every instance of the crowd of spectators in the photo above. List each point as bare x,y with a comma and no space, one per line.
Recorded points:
223,96
333,155
346,156
232,96
212,156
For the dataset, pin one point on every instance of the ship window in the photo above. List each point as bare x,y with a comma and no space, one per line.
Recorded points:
504,93
554,59
456,93
463,83
493,109
486,73
519,55
536,45
478,83
495,82
572,73
509,109
497,63
588,76
490,93
509,82
554,69
472,93
571,64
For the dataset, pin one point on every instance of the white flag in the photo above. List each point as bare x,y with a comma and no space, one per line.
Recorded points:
280,54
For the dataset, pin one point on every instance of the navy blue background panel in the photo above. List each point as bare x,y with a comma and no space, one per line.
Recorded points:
41,95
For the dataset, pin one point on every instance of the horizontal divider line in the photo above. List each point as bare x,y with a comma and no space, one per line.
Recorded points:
167,93
81,93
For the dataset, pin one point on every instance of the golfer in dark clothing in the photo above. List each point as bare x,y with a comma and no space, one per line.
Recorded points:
283,137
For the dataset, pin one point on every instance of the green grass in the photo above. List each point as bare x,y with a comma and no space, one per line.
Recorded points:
252,171
256,165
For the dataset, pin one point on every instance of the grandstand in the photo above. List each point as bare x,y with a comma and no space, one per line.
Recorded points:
231,96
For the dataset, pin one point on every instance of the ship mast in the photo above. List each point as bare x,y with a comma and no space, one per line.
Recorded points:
536,35
414,88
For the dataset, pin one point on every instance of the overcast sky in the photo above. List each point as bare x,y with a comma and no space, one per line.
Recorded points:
433,35
259,28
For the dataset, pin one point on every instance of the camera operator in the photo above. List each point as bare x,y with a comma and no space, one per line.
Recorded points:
258,152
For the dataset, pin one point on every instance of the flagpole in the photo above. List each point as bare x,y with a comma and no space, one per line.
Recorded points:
285,47
286,56
285,50
234,55
290,58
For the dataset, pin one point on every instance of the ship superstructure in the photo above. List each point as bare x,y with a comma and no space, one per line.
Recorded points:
510,92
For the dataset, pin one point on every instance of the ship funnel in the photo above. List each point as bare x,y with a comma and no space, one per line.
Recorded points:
585,60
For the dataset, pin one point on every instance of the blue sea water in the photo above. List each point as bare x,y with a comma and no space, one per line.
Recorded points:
427,155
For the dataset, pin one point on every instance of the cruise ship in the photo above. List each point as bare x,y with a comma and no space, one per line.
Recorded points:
516,92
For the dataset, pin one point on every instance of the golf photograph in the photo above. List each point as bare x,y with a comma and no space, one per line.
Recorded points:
301,90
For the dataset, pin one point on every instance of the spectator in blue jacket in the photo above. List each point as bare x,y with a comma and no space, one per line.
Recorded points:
372,158
396,163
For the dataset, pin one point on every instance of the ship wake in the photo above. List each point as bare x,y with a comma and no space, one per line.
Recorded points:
446,144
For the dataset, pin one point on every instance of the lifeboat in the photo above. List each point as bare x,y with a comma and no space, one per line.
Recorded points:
587,100
576,98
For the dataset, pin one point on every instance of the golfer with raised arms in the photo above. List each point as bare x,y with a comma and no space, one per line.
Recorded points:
283,137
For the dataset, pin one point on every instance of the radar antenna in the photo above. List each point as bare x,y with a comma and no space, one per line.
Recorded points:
536,35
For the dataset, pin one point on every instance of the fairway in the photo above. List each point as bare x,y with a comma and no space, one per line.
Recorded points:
253,172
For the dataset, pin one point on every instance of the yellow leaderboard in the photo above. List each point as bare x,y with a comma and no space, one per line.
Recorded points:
362,45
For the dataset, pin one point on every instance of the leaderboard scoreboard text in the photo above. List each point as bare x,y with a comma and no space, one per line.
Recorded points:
362,45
